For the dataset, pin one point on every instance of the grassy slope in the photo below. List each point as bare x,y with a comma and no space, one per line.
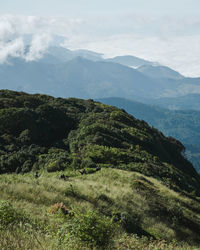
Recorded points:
145,185
157,210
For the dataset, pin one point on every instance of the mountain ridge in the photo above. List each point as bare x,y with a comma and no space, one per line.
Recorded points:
181,124
54,74
95,167
45,122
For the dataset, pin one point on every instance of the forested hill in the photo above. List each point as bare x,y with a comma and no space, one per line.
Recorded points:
181,124
42,132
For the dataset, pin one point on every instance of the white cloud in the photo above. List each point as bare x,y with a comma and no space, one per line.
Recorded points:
38,47
179,53
14,48
172,41
6,29
14,29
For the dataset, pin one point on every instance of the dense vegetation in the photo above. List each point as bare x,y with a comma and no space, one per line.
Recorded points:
183,125
145,185
42,132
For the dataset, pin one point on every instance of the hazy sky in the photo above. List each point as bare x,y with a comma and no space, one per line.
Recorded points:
164,31
94,7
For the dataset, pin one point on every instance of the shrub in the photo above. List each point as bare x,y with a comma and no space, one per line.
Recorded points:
91,228
54,166
131,222
9,215
88,163
60,210
27,166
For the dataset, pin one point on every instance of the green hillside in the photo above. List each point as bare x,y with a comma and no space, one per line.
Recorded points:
183,125
135,180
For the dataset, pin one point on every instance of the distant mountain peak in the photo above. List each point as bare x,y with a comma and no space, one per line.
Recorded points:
159,71
131,61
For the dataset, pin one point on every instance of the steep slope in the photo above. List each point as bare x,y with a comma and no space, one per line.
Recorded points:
38,131
136,180
182,124
146,206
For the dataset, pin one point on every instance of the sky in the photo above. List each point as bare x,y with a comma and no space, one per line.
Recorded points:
86,8
163,31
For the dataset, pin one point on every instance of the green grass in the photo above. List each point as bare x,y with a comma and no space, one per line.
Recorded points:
161,217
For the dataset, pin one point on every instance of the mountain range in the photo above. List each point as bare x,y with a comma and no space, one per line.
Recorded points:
60,71
85,74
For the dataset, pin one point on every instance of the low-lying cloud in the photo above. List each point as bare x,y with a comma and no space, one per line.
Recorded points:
14,31
179,53
13,48
38,47
172,41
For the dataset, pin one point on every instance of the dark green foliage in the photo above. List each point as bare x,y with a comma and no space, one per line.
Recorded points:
10,215
20,159
39,131
93,229
131,223
55,159
181,124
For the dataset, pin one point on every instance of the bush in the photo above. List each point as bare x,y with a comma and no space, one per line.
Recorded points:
88,163
55,166
131,223
91,228
9,215
27,166
60,210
